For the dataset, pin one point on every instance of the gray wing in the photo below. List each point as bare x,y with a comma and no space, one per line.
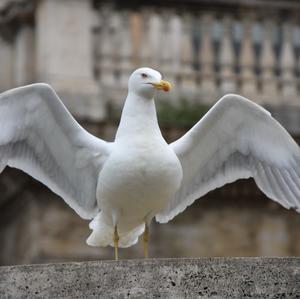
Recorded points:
236,139
39,136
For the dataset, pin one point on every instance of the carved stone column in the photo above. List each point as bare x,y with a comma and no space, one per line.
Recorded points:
24,62
287,63
6,64
165,52
174,46
109,25
227,76
267,63
175,28
154,38
188,79
125,50
248,78
145,54
136,30
208,80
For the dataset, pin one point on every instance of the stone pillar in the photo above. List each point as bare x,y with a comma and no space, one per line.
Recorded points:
106,48
154,39
248,78
64,54
287,63
136,30
24,54
188,74
6,65
208,82
165,52
227,59
145,54
175,44
175,24
125,53
267,63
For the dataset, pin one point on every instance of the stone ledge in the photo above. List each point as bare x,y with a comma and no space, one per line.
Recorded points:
156,278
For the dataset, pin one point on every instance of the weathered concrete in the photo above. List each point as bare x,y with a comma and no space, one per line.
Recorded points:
166,278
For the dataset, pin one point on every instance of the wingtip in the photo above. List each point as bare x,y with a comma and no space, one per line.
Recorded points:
2,166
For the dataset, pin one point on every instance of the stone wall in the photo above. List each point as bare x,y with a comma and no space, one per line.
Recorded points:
87,50
218,278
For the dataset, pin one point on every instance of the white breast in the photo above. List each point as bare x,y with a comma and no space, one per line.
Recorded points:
138,180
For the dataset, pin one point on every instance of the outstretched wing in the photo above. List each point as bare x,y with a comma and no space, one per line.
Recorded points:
236,139
39,136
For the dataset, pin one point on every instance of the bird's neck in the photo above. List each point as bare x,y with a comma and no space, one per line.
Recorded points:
138,118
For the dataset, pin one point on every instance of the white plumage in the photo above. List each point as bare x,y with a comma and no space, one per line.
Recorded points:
139,176
236,139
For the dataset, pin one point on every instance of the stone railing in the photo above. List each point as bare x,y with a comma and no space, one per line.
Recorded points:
204,54
232,278
87,52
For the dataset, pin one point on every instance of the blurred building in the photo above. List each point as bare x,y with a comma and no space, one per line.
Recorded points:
87,49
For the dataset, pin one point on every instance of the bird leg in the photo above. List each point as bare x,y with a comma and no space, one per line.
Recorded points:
146,239
116,243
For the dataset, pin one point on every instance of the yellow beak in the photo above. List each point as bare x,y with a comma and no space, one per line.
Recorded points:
162,85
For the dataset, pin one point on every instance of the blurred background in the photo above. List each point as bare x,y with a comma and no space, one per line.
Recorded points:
87,49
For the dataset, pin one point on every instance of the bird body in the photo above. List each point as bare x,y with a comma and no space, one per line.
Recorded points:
122,185
142,171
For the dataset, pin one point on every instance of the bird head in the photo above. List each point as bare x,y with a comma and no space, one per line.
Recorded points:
145,81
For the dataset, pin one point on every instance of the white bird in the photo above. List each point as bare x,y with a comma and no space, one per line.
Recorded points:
123,185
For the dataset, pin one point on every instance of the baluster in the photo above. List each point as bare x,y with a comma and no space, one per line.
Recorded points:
267,63
287,64
6,62
247,61
227,59
155,37
175,25
96,38
208,81
106,49
165,53
125,53
145,54
175,42
136,30
24,59
188,77
95,108
117,33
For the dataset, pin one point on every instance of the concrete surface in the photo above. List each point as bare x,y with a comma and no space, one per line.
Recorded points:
155,278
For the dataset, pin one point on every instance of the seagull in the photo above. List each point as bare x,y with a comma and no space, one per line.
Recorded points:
123,185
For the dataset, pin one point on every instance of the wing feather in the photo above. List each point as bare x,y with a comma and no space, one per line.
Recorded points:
236,139
39,136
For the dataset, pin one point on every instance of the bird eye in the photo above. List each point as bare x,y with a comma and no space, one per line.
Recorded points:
144,75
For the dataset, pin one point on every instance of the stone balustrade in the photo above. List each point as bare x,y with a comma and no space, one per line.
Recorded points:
204,54
205,51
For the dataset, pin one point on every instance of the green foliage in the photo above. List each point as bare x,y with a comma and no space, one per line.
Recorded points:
184,114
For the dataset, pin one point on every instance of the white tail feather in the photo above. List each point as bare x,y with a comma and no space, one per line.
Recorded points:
102,234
